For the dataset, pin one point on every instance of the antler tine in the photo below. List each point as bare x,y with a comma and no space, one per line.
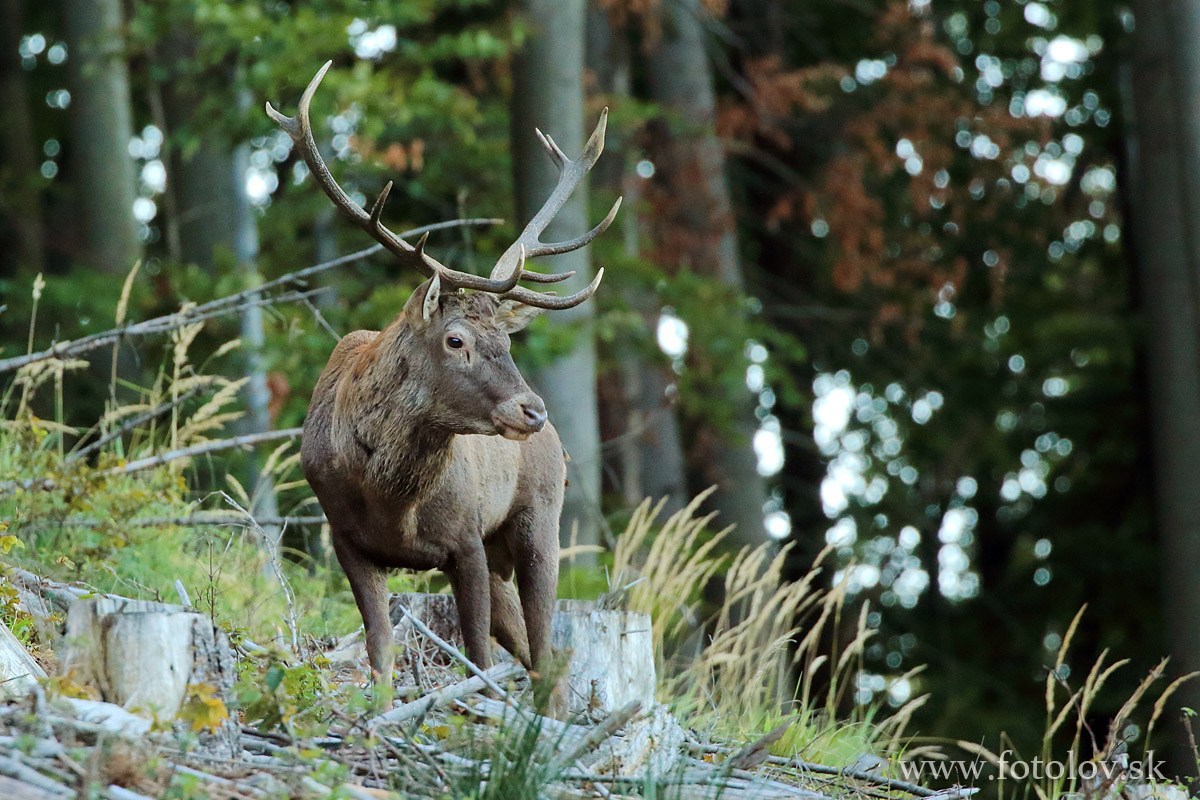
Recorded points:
552,147
377,206
571,174
299,128
549,301
579,241
546,277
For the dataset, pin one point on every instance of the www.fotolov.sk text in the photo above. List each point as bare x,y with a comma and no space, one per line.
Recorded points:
968,773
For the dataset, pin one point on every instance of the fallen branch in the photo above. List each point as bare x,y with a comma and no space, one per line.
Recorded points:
195,520
821,769
10,766
163,324
445,696
299,275
134,422
11,487
239,301
60,595
596,737
201,449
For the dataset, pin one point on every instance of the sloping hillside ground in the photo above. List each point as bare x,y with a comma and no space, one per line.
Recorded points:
245,624
143,510
307,729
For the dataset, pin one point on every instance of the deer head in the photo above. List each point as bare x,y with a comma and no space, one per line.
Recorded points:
459,341
456,349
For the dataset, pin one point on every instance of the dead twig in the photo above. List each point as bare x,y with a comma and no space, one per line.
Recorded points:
157,325
596,737
442,697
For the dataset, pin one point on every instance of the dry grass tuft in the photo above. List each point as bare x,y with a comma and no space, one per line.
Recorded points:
769,653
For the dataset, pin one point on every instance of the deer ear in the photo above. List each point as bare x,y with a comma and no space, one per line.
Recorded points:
512,315
423,302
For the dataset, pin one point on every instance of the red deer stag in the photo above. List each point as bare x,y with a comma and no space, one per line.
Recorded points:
401,445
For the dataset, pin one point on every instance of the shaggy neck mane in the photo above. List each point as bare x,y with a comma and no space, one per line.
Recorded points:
386,413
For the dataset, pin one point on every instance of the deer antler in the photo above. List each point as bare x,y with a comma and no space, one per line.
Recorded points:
570,174
299,128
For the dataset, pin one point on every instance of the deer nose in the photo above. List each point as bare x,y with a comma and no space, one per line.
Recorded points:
520,417
534,412
534,418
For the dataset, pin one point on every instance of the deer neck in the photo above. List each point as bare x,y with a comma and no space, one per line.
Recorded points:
385,428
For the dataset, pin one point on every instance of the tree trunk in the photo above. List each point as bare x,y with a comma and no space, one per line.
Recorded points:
215,216
650,455
101,127
548,94
258,395
692,175
20,196
1165,186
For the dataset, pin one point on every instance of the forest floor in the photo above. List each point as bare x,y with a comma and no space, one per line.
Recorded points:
450,731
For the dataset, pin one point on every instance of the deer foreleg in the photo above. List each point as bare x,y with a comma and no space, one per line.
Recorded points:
468,573
369,584
534,546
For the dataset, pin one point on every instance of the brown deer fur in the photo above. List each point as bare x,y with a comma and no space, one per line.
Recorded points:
400,448
400,442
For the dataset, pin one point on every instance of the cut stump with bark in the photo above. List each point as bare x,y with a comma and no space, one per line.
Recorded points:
439,612
610,656
149,658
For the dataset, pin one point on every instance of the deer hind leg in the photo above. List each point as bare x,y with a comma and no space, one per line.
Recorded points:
534,545
508,626
369,584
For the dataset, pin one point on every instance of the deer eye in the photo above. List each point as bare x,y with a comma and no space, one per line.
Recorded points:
454,342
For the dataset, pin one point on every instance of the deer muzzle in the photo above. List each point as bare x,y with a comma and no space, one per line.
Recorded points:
520,416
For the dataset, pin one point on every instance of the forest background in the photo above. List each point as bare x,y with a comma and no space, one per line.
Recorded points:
916,283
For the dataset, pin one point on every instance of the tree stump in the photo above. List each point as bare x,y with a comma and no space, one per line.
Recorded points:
149,657
18,669
610,656
439,612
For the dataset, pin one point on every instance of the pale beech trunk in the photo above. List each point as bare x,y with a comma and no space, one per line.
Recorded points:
245,252
1165,186
693,176
101,127
215,214
548,94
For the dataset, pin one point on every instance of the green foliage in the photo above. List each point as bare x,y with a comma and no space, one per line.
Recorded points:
273,695
86,519
910,263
